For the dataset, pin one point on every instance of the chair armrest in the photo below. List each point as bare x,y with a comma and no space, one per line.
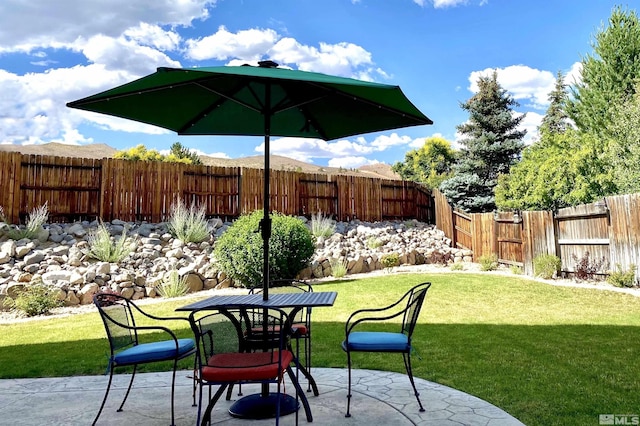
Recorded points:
144,327
359,317
154,317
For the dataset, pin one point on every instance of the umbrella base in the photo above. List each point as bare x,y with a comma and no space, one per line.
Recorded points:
258,407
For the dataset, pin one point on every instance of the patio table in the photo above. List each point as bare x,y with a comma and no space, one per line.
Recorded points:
255,406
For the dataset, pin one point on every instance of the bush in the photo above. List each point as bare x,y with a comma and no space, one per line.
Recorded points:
546,266
374,242
36,299
458,266
620,278
238,252
173,285
488,262
36,219
188,225
515,269
339,267
104,248
390,260
322,226
586,268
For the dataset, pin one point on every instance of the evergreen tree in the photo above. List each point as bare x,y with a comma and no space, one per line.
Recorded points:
182,152
556,118
609,75
491,145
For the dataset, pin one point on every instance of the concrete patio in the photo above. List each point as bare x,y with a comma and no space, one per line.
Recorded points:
379,398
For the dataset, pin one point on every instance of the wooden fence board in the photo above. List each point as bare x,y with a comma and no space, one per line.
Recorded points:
538,237
625,231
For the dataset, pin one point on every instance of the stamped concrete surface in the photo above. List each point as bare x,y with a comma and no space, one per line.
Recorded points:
379,398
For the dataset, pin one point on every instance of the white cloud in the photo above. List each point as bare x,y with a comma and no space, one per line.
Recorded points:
27,25
350,162
222,45
340,152
527,85
438,4
574,76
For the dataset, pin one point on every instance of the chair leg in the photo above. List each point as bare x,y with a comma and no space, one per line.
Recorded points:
105,395
173,390
303,397
407,365
206,419
126,395
195,380
307,358
349,385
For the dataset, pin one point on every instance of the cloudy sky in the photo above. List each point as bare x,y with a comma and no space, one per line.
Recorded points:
53,52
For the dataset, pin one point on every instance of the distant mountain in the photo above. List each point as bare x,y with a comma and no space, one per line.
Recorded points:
277,162
97,150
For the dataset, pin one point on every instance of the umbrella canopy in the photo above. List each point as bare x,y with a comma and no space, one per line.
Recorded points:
258,101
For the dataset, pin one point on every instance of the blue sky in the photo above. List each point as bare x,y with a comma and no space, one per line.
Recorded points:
53,52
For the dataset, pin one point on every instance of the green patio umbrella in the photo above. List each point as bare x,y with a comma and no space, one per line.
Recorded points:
258,101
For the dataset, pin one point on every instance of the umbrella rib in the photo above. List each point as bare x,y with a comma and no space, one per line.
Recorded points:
374,104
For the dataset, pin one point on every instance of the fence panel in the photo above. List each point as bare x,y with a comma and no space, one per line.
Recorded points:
538,237
463,229
69,186
444,215
580,230
10,172
318,193
482,228
215,188
508,237
625,231
396,202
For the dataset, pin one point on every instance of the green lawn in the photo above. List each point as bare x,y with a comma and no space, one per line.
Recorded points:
547,355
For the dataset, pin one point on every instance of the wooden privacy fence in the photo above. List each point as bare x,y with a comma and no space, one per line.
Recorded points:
86,189
609,230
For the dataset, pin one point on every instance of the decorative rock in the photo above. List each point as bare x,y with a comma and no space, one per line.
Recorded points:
194,283
87,292
71,299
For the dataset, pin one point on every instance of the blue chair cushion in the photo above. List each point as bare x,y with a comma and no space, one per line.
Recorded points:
156,351
377,341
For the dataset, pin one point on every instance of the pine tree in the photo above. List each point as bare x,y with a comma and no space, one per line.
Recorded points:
609,75
492,143
556,118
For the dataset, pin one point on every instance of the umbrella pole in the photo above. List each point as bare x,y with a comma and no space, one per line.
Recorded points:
266,219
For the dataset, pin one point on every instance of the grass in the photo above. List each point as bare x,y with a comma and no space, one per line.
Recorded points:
547,355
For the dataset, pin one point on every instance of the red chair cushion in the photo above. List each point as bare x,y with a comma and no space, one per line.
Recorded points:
232,367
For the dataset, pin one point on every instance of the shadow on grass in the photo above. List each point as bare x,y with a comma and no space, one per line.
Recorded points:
542,375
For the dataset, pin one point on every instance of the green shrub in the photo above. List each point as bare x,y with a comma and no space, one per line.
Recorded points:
488,262
322,226
546,266
188,225
238,252
390,260
106,249
36,299
458,266
173,285
515,269
339,267
374,242
36,219
620,278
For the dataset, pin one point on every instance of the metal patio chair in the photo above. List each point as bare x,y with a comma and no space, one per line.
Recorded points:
359,338
119,317
229,352
301,319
